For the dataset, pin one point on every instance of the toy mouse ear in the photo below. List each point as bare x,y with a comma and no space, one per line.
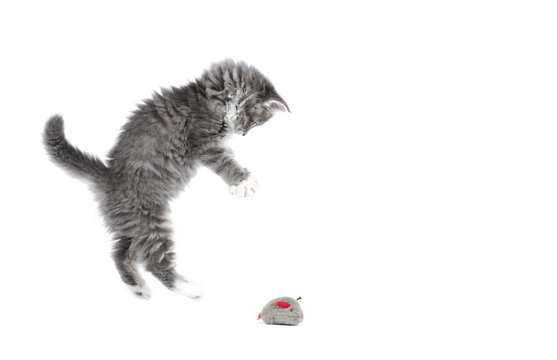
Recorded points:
282,304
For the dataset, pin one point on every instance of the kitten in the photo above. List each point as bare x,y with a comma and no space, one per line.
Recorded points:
157,153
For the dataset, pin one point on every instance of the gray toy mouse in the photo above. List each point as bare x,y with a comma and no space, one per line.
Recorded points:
282,311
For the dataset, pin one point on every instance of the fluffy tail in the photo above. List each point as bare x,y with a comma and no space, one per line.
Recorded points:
68,156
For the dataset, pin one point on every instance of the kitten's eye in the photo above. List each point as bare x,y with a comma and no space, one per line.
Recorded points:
269,111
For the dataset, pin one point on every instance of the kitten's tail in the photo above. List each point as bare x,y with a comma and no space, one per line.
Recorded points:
68,156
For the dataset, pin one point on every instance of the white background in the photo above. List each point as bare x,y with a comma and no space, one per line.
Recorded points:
410,197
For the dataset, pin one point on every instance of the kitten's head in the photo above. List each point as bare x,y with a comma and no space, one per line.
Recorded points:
248,97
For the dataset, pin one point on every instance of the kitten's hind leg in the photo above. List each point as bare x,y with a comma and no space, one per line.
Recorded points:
163,268
188,288
127,268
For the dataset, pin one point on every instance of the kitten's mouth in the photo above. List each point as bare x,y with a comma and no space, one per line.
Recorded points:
243,131
242,128
239,131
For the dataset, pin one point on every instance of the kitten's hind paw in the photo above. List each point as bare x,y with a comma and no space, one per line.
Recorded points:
142,292
189,289
245,188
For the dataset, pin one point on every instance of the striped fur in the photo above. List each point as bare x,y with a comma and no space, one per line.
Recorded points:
163,142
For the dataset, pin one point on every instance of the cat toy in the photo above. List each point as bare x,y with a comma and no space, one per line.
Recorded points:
282,311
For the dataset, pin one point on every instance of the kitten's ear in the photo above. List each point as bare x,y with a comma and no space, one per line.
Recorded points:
276,105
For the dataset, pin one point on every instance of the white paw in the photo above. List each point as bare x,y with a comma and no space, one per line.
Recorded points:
140,291
189,289
245,188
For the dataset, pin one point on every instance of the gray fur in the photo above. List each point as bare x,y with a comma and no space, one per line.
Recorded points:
276,315
156,155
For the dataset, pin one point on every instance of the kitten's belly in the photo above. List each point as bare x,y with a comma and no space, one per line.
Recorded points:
188,173
146,179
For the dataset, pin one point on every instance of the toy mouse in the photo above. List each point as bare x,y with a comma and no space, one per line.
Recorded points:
282,311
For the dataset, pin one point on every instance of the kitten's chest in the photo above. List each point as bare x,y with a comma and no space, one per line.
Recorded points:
184,163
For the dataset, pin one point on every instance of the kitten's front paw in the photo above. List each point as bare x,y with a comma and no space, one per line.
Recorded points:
245,188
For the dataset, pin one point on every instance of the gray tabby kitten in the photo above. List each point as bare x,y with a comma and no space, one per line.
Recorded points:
157,153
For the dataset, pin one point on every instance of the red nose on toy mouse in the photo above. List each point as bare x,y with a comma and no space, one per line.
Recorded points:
282,311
